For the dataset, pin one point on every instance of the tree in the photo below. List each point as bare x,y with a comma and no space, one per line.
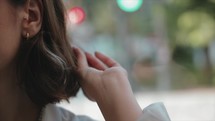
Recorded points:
192,23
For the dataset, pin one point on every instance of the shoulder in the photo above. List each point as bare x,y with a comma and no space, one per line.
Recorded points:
53,112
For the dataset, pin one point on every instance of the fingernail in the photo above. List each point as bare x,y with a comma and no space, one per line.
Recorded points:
87,53
75,49
96,52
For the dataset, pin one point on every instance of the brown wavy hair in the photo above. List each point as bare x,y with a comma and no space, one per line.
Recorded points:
46,65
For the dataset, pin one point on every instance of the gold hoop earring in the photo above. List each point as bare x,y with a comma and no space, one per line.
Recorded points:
26,17
27,35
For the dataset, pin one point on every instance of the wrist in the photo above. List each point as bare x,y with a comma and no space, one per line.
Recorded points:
120,104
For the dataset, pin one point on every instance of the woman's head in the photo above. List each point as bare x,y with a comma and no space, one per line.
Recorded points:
33,36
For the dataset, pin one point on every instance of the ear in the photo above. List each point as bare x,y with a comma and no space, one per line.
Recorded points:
32,20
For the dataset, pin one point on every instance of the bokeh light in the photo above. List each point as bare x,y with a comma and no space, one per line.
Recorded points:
130,5
76,15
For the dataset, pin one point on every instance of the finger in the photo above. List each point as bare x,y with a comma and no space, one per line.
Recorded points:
81,58
94,62
106,60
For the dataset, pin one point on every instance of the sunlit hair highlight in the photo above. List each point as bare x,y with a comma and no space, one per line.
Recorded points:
46,65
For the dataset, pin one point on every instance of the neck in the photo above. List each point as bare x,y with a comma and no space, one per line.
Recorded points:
14,103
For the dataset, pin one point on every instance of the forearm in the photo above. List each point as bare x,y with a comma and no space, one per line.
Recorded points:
121,106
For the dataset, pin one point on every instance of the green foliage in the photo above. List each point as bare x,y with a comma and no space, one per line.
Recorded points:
195,28
183,56
191,22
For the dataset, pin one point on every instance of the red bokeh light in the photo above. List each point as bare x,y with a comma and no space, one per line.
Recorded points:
76,15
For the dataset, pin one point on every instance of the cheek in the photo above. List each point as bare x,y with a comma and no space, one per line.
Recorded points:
9,39
9,46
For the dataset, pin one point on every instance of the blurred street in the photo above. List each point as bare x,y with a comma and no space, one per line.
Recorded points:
182,105
164,44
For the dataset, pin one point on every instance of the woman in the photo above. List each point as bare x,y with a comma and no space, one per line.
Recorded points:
38,68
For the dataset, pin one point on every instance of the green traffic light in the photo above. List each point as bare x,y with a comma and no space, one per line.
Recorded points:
130,5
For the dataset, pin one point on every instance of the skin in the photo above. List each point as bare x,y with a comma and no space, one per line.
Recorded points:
103,79
106,82
14,103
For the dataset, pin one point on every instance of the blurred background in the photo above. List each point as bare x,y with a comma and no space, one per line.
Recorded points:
167,46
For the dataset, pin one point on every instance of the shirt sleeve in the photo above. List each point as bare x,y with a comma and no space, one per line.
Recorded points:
55,113
155,112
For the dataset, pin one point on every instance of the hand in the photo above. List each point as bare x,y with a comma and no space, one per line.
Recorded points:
99,73
106,82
